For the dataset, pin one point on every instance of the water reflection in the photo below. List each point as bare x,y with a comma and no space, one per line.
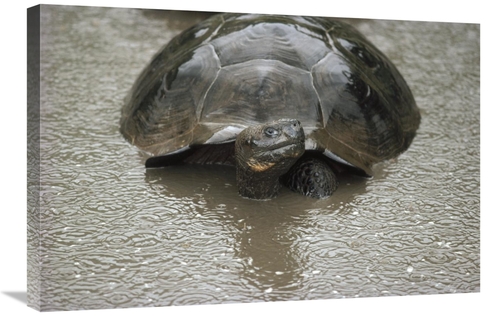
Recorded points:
113,234
269,241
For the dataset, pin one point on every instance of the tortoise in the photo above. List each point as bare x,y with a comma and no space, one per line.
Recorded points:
287,100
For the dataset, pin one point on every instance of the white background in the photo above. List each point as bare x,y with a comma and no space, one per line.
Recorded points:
13,154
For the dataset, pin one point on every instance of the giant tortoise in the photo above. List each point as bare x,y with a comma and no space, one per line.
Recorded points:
286,99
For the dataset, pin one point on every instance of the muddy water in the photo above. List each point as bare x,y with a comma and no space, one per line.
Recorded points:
113,234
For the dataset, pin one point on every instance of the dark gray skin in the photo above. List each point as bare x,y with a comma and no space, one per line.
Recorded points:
311,176
265,152
268,153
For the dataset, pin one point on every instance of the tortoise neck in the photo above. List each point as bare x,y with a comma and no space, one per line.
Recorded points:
257,185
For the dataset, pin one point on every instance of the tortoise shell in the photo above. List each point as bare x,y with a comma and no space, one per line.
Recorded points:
232,71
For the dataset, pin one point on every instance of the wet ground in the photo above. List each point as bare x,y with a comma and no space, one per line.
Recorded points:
116,235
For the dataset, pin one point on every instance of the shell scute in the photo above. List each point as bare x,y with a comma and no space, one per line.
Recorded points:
235,70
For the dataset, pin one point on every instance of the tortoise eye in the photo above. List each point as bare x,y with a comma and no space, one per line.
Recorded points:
271,132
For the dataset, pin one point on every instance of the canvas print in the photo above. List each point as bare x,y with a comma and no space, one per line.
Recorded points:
190,158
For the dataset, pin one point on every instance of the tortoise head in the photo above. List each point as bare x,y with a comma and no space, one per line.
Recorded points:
265,152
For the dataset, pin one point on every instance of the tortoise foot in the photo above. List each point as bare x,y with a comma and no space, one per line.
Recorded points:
311,177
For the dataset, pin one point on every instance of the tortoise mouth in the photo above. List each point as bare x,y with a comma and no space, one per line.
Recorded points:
282,151
298,146
279,158
290,142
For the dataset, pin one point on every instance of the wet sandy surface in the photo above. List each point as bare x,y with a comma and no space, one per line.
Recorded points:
117,235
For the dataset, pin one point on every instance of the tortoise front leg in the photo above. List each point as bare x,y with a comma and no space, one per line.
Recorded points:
312,177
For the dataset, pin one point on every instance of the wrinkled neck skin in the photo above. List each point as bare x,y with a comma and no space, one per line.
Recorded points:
260,180
257,185
265,152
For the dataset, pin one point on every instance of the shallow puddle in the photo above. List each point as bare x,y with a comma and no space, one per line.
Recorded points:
117,235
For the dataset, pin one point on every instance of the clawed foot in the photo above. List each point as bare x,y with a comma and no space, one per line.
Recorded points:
312,177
